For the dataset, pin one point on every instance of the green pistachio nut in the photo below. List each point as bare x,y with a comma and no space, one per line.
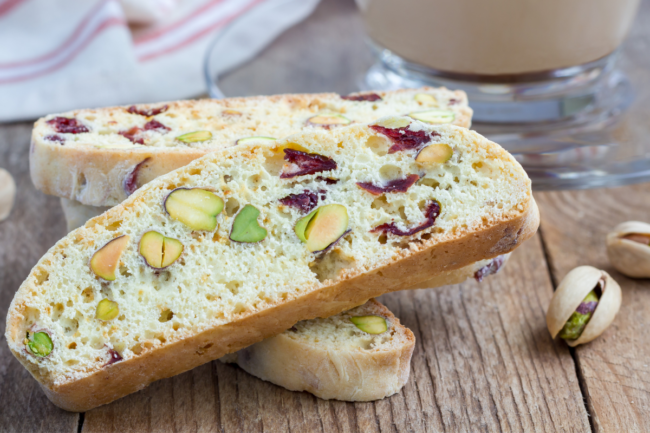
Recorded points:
40,344
245,228
578,321
107,310
370,324
194,137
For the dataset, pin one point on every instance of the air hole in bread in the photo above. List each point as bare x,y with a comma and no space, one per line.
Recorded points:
166,316
383,238
57,311
195,172
379,145
42,276
233,287
379,203
72,346
227,178
81,181
329,267
88,295
232,206
431,183
274,162
255,182
114,225
239,308
136,348
97,343
69,326
203,349
124,271
390,172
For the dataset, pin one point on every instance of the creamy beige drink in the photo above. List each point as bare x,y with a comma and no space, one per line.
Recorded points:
499,37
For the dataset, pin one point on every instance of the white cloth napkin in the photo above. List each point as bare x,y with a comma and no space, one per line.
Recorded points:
58,55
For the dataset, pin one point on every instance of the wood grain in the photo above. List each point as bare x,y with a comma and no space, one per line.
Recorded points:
615,367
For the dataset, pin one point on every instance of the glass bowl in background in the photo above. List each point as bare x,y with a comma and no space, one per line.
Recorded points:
329,53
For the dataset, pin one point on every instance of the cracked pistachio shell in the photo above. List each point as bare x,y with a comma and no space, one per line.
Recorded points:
570,293
629,257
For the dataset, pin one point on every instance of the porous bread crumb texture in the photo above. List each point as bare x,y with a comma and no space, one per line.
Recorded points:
231,119
339,333
217,281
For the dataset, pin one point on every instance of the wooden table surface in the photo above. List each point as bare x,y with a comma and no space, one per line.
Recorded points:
484,360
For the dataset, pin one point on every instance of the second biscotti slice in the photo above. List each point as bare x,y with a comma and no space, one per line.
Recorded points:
362,354
99,156
240,245
334,358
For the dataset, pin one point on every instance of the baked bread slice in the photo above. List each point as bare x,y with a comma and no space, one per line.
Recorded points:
330,357
164,281
99,156
334,359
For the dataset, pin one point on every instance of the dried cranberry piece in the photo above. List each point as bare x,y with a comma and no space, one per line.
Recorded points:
431,213
404,138
370,97
489,269
154,125
328,180
147,113
65,125
302,163
130,183
134,134
397,185
453,101
55,138
305,201
114,357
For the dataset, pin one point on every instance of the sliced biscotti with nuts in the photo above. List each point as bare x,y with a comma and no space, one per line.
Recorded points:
242,244
362,354
98,157
332,357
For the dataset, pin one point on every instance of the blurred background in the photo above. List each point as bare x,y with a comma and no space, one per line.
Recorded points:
565,87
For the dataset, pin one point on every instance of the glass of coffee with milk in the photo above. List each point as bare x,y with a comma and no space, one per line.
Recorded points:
531,68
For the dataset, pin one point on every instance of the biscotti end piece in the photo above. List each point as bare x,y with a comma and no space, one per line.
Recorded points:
100,156
408,223
334,359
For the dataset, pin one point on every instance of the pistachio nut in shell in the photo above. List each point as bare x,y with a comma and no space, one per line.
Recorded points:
572,291
628,249
7,193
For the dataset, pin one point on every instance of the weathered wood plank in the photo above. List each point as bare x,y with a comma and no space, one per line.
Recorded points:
615,367
35,224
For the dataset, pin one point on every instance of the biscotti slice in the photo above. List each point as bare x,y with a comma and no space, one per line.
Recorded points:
242,244
331,358
334,358
98,157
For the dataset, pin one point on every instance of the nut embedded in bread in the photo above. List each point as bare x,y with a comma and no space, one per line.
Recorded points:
220,295
100,156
